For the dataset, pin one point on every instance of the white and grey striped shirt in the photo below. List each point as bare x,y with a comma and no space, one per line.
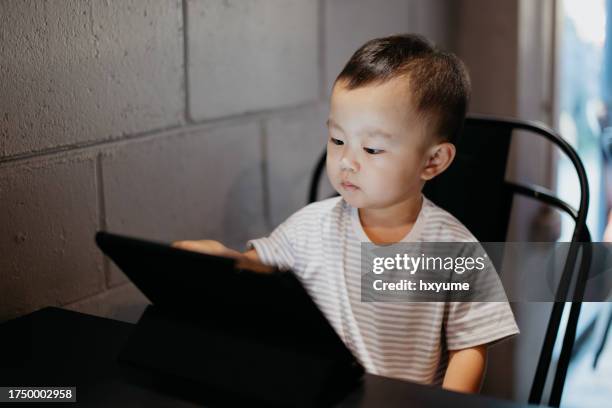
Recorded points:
321,243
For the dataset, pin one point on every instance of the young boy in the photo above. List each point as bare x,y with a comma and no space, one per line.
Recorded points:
396,109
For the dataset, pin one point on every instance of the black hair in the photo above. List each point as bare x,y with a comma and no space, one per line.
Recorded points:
438,81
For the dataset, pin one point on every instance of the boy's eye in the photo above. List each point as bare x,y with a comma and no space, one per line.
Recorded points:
336,141
372,151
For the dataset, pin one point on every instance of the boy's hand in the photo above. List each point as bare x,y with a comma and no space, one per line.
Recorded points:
248,260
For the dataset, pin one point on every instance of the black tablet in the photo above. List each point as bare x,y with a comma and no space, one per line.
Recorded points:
262,327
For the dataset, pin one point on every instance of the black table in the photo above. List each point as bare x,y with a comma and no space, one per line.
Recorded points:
57,347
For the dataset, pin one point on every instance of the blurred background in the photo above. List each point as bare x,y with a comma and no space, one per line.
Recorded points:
204,118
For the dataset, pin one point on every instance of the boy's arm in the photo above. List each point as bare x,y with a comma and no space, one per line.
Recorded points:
465,369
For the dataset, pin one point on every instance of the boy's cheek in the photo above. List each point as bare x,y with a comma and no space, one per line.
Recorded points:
331,175
330,165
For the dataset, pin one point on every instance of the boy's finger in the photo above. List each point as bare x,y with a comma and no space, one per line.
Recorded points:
178,244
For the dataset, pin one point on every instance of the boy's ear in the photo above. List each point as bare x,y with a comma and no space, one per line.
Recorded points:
439,157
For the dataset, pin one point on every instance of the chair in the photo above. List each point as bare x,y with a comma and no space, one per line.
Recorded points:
482,155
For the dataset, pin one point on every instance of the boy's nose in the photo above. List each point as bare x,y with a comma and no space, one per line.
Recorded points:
347,164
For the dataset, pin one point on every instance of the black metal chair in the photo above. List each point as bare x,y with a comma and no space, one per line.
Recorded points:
482,156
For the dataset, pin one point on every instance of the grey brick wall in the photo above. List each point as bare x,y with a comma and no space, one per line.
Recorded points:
163,119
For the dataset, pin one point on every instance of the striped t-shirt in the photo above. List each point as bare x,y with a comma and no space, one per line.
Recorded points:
321,243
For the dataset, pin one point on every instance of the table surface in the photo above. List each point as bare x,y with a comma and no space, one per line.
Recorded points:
57,347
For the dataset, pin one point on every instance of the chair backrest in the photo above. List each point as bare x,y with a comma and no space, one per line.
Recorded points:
482,155
475,191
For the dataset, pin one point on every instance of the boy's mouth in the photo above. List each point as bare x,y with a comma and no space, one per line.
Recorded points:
348,186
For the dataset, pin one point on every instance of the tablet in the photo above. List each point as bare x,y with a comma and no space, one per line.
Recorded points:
268,308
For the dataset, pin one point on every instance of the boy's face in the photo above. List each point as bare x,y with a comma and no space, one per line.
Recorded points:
378,151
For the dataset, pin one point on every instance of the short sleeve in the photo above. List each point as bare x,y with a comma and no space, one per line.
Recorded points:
278,249
470,324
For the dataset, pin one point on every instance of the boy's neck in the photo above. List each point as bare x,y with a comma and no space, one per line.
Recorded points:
400,215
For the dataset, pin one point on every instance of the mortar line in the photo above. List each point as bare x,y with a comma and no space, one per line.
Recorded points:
94,295
191,127
188,117
102,215
321,32
265,173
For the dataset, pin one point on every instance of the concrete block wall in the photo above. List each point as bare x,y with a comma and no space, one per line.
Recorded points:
163,119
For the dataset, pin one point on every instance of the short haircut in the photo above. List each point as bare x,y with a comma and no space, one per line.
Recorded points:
439,82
